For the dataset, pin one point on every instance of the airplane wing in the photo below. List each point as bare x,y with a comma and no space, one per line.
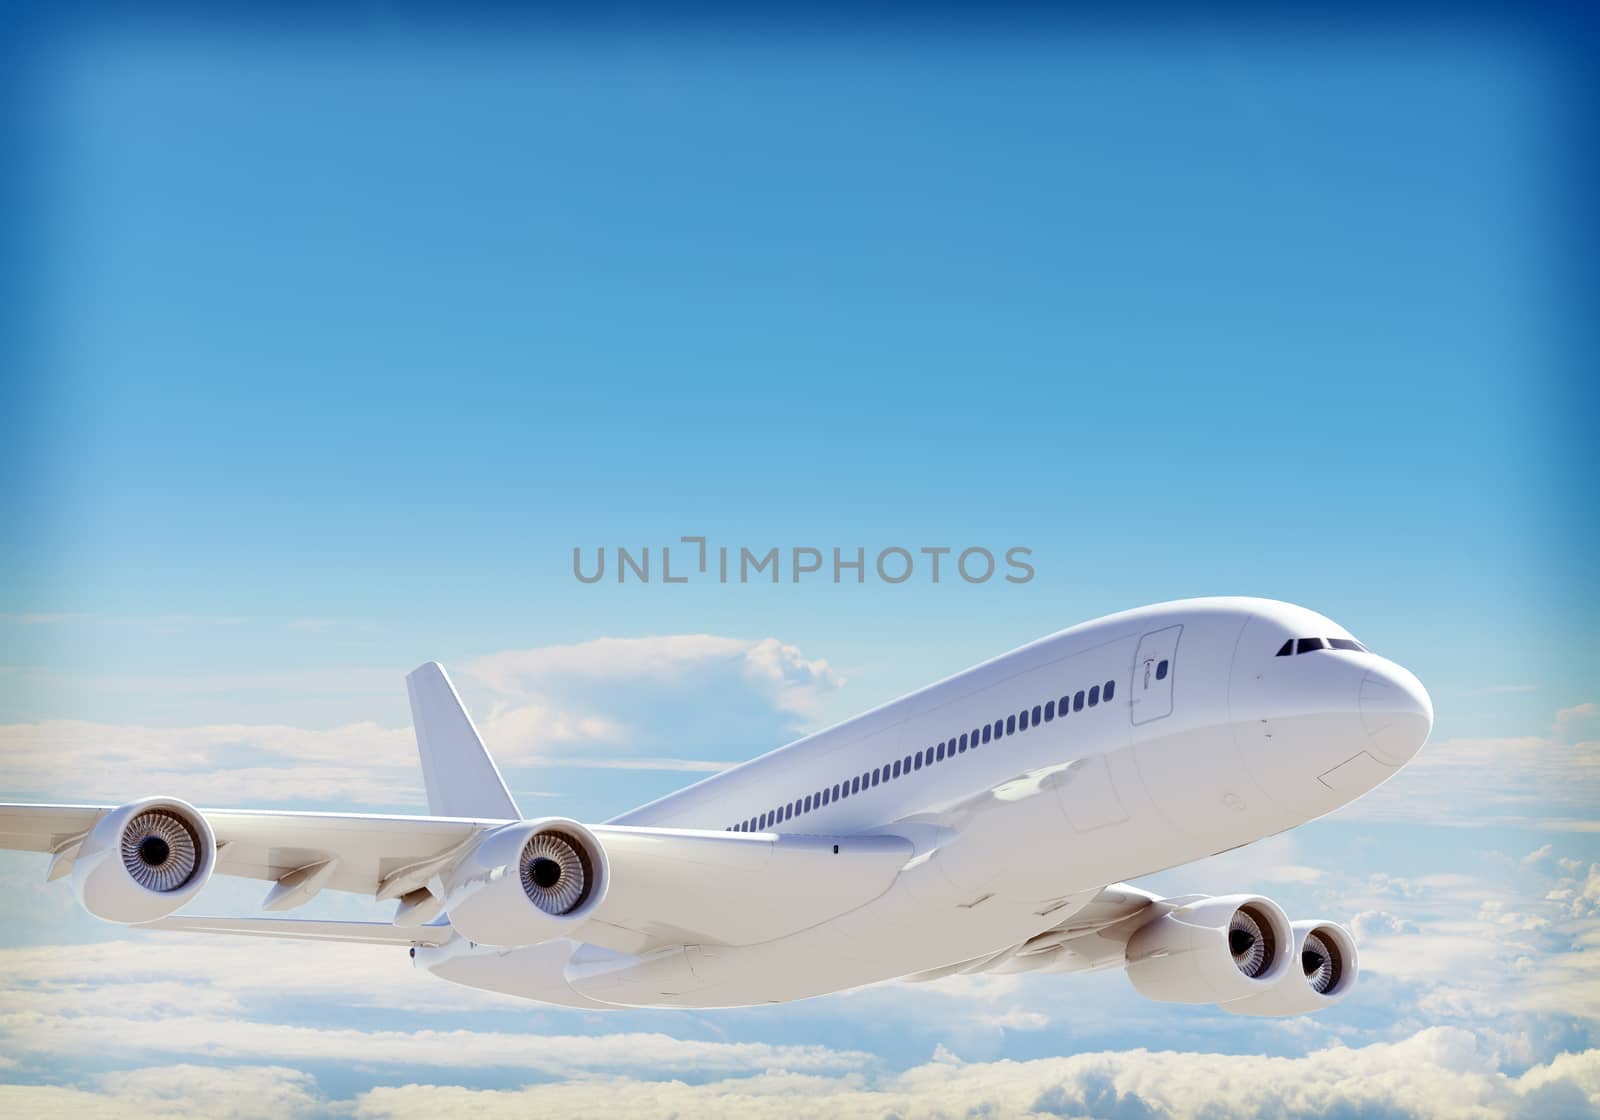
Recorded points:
667,886
1093,937
375,854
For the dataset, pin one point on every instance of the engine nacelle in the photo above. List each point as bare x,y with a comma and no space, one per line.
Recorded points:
144,860
526,883
1213,951
1327,972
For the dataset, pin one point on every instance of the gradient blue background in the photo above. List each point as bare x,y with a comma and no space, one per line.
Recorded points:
331,344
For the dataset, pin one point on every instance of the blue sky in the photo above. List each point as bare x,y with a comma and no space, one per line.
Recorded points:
338,345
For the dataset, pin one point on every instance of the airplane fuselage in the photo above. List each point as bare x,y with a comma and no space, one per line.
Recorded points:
1024,787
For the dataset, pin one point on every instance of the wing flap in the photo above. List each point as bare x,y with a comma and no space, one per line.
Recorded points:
45,828
306,929
369,848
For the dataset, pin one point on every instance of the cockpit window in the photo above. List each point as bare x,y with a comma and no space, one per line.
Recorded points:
1311,645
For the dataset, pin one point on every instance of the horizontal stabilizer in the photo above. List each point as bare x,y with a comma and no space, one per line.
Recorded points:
305,929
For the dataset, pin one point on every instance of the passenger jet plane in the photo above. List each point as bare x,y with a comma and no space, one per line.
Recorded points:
986,823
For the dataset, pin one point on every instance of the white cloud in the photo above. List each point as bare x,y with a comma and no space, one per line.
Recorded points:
218,764
1378,923
1436,1073
195,997
1550,782
1290,873
1578,723
768,666
174,1093
593,705
1017,1019
1519,936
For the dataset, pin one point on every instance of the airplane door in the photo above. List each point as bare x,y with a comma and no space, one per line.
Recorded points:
1154,666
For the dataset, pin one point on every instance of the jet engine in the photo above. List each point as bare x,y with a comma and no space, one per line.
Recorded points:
1215,950
526,883
1327,970
144,860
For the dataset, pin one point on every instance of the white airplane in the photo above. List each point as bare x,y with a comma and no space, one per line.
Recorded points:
972,826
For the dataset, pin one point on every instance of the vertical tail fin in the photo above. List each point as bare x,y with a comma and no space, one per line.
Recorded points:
460,777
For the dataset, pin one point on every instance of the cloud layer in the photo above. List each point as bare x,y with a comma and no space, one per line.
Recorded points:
1437,1072
691,703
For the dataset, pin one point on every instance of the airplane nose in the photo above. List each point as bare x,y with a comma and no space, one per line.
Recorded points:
1396,713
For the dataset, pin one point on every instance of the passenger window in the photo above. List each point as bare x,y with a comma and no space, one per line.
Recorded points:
1037,711
916,763
877,776
906,769
897,768
1094,695
988,732
1286,649
1049,710
1063,704
836,793
1306,645
939,755
962,747
1077,701
1161,671
927,756
1011,725
807,803
1111,688
1022,720
855,785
